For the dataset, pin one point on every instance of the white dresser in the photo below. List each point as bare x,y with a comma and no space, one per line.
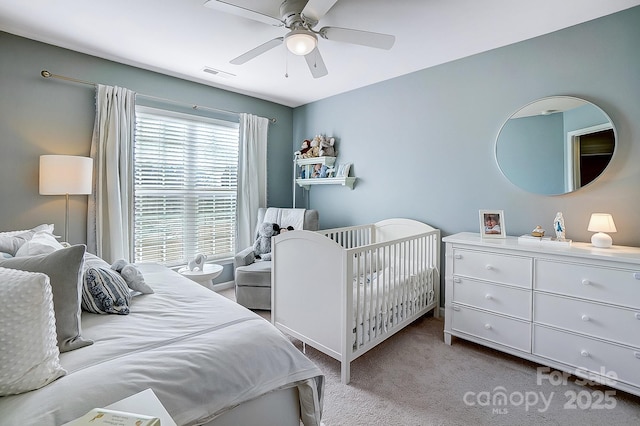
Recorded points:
576,309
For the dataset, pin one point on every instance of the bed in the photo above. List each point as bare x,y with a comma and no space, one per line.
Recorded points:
345,290
208,360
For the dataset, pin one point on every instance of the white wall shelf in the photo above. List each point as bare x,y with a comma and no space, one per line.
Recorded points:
304,167
344,181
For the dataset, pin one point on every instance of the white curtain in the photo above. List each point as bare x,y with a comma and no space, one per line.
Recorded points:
252,176
109,215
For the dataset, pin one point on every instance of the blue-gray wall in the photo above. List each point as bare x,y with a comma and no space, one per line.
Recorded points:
422,145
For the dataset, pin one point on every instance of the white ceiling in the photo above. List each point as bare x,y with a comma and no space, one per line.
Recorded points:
181,37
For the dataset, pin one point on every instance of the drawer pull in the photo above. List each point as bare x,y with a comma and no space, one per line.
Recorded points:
585,318
487,326
457,256
488,297
637,315
489,268
636,275
585,354
457,280
586,282
456,308
637,354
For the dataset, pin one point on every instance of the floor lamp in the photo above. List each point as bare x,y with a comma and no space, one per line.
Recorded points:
65,175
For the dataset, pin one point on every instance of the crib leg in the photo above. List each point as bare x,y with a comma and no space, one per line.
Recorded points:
345,372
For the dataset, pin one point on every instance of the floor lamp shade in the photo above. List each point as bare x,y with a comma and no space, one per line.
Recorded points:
66,175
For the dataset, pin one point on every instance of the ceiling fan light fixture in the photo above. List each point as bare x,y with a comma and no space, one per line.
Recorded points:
301,42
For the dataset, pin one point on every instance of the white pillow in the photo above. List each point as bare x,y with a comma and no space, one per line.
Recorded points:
29,355
42,242
11,241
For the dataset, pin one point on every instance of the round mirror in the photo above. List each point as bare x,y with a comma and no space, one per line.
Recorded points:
555,145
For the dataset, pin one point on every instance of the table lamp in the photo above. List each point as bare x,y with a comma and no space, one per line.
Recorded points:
65,175
601,223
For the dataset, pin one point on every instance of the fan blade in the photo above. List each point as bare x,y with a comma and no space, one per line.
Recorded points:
316,64
228,7
245,57
363,38
316,9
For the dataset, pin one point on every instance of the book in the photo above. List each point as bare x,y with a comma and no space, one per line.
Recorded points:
106,417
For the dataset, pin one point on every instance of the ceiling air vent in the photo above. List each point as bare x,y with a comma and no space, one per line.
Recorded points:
218,73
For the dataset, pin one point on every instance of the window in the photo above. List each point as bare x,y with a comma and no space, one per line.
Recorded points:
185,186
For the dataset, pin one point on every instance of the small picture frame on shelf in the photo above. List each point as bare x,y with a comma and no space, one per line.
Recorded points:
492,224
343,170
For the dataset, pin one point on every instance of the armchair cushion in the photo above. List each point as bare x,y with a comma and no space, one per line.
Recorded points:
257,274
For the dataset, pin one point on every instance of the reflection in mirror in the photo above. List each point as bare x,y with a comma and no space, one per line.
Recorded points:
555,145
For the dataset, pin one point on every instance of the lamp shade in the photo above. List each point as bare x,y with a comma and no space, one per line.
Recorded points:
65,174
601,222
301,42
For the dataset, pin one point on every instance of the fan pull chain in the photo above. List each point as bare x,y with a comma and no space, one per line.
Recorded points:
286,64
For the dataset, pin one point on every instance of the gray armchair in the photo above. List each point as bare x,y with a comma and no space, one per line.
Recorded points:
253,276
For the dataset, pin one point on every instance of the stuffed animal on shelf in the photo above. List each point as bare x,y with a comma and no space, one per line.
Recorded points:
262,245
315,149
327,146
305,147
288,228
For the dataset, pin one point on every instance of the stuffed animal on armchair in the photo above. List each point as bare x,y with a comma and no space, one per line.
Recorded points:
262,245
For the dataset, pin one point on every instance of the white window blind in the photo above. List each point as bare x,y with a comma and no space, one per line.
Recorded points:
185,186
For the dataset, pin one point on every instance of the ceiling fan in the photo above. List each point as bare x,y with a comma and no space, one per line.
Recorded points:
300,17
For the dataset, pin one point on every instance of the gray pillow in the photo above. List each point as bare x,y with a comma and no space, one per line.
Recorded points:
64,268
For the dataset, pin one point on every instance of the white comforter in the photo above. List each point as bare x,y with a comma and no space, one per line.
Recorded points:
201,353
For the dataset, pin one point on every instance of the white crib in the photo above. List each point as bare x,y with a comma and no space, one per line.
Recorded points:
344,290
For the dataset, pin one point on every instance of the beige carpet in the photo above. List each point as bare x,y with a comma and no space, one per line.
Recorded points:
414,378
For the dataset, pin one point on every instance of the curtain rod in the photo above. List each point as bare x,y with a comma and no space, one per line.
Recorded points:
47,74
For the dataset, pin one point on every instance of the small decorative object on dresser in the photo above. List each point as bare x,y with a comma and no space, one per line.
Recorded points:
575,309
558,227
538,232
492,224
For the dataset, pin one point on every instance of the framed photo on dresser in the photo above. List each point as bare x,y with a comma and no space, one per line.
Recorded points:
492,224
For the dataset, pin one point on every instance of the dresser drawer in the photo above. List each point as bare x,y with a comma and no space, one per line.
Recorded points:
495,328
588,354
494,267
503,299
619,286
607,322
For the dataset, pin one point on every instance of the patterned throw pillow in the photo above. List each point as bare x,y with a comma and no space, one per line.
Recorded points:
104,291
30,357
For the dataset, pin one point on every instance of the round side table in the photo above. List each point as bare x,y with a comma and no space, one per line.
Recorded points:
204,277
